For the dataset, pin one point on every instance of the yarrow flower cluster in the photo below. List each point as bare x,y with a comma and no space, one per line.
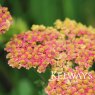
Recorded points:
68,46
79,43
5,19
79,56
76,85
35,48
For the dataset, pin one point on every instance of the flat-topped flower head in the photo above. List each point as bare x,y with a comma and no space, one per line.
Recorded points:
5,19
72,29
68,48
79,44
74,82
56,46
35,48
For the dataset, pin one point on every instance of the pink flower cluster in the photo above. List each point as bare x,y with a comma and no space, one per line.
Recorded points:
67,46
75,86
5,19
36,48
79,43
79,56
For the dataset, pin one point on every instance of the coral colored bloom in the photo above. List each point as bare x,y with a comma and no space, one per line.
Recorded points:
36,48
73,86
79,43
72,45
5,19
68,47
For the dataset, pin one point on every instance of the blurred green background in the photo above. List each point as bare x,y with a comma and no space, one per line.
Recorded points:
26,13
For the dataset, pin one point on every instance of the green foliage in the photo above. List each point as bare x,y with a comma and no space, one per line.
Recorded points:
23,88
